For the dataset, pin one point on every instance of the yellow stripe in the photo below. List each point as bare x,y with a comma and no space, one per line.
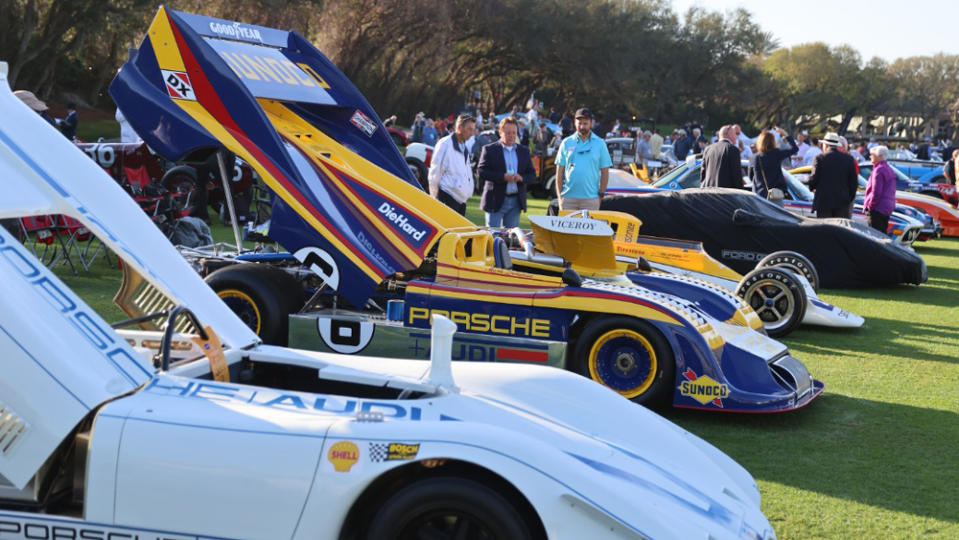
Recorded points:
164,44
200,114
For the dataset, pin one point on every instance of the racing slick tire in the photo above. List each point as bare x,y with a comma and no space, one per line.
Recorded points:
447,507
777,297
420,172
261,295
796,262
628,356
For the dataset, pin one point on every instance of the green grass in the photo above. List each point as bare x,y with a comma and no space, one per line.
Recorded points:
875,456
91,129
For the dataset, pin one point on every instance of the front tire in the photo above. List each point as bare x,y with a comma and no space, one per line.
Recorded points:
628,356
776,296
447,508
795,262
261,295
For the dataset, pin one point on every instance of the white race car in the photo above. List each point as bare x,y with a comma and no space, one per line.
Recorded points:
131,433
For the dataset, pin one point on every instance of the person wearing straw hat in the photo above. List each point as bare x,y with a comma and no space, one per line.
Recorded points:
834,180
35,103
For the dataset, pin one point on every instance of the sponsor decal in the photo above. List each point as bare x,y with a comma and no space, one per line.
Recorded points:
236,31
321,263
484,322
363,123
393,451
40,528
703,389
343,455
178,84
401,221
345,336
742,255
475,351
573,224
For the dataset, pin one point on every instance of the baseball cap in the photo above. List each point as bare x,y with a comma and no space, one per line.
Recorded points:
584,113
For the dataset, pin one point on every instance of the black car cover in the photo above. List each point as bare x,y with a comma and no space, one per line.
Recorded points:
739,228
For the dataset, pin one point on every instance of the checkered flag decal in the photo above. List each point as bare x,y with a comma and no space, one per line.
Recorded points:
379,451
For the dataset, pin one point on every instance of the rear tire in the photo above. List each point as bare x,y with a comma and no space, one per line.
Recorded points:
795,262
181,182
261,295
776,296
629,356
447,508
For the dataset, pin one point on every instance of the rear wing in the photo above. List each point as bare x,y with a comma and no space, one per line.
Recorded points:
344,201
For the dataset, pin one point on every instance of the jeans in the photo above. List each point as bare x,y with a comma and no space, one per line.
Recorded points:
507,215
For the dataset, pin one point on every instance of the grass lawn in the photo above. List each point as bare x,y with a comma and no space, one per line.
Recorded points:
877,455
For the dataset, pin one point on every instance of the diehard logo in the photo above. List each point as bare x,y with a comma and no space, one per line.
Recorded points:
703,389
178,84
401,221
343,455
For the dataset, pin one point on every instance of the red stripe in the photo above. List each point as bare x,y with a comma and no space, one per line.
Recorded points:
520,354
209,99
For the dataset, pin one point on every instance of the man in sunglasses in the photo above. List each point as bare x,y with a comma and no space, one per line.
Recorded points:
582,167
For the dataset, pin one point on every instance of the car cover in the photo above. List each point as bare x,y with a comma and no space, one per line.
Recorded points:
739,229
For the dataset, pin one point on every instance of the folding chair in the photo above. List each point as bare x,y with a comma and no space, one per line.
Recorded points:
43,235
78,234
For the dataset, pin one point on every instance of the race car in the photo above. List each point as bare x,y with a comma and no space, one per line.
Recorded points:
384,257
199,431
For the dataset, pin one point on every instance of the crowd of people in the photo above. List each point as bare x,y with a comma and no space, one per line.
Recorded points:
67,125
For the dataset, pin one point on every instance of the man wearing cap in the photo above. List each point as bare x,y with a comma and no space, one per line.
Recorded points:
881,190
582,167
450,176
834,180
722,165
35,103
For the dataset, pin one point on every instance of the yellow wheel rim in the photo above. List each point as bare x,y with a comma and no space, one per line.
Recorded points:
244,306
625,361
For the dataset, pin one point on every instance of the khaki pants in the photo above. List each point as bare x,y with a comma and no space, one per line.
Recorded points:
572,203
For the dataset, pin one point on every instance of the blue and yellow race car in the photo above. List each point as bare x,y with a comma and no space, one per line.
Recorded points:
381,256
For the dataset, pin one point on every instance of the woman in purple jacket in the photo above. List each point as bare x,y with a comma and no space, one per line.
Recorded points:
881,190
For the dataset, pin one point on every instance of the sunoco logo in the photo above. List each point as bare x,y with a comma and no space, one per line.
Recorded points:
236,30
703,388
401,221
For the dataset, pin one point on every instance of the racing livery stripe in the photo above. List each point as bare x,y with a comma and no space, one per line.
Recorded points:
519,354
209,100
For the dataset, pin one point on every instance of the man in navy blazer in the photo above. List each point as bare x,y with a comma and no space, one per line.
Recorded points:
506,168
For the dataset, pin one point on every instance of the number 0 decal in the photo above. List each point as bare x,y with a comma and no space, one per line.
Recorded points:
345,336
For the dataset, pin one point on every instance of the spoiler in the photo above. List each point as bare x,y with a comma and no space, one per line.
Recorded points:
344,200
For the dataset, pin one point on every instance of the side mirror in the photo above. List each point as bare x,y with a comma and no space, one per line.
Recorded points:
572,278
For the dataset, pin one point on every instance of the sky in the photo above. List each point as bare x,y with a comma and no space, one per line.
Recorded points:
888,29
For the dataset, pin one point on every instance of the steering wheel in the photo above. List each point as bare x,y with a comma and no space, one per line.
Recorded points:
166,343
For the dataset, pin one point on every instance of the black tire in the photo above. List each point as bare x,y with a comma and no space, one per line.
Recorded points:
420,172
261,295
777,297
447,508
796,262
628,356
181,181
397,140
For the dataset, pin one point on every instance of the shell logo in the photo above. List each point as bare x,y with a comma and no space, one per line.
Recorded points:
343,455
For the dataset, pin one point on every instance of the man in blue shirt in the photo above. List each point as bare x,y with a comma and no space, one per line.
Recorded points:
582,167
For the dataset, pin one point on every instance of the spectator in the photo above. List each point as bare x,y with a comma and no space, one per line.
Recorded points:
683,145
801,138
880,190
505,168
813,151
419,124
947,150
656,143
553,115
721,162
430,135
541,139
700,142
32,101
615,130
586,158
767,165
389,121
532,115
949,169
644,150
566,125
68,126
834,180
450,176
